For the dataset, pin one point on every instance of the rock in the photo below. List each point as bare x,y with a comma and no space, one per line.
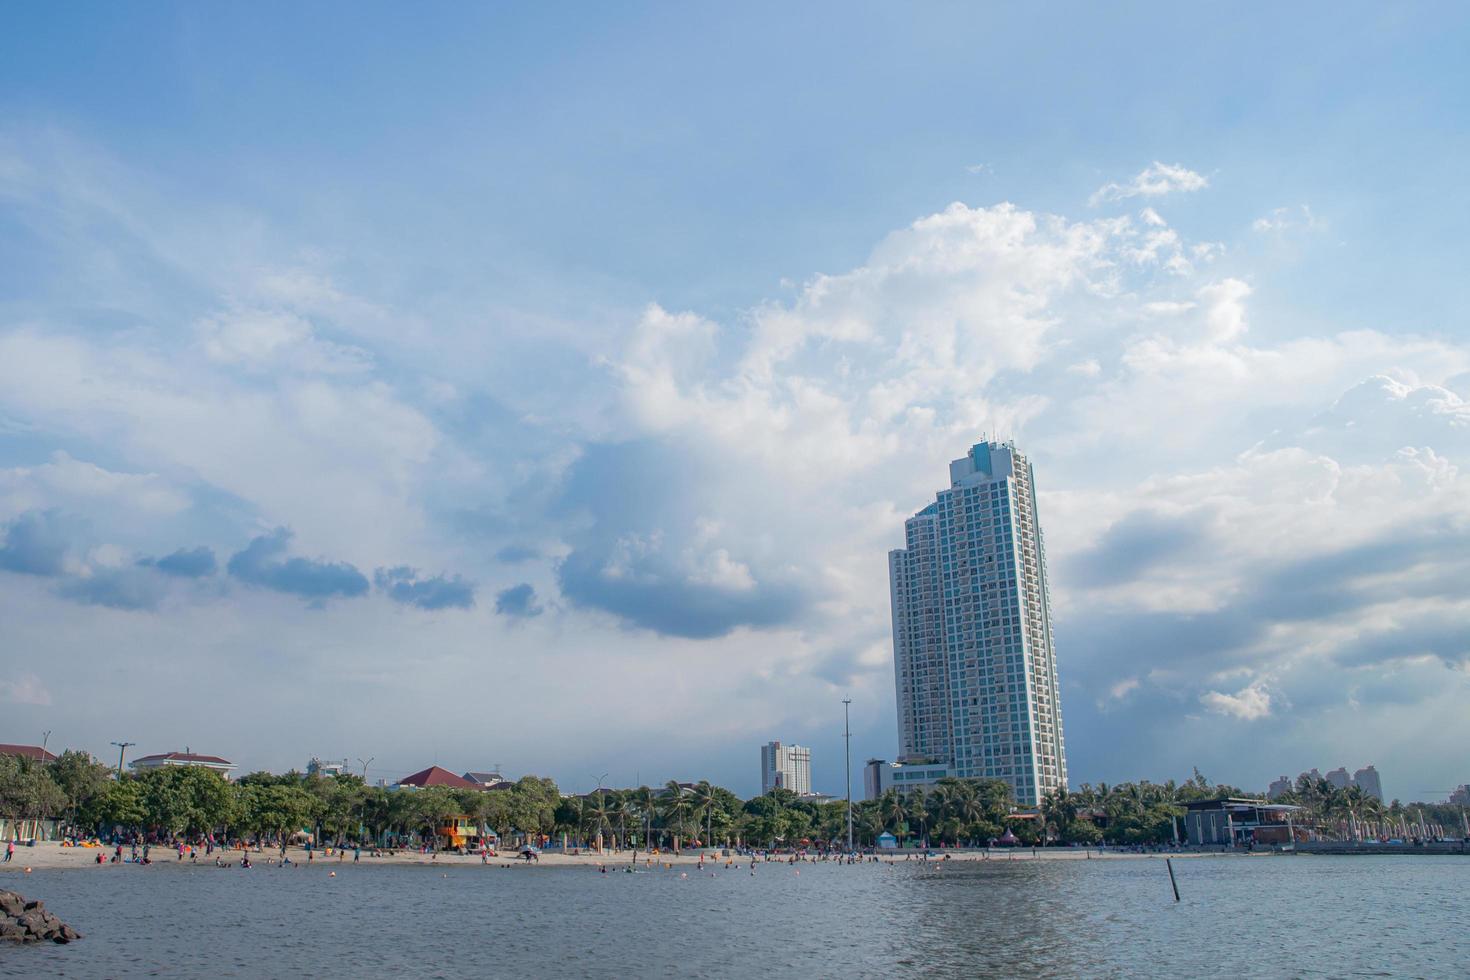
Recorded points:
31,922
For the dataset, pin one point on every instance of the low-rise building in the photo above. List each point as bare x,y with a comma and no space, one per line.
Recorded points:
186,758
1238,822
33,752
879,776
321,767
488,780
435,776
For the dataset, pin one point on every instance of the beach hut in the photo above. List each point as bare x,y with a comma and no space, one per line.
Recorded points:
887,841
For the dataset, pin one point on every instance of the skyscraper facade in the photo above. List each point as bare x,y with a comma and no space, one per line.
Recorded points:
786,767
974,662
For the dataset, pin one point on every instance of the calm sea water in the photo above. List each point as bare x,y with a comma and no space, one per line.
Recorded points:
1274,916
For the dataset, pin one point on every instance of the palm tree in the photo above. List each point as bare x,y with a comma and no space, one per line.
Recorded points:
891,806
919,810
621,808
599,814
705,799
675,808
645,799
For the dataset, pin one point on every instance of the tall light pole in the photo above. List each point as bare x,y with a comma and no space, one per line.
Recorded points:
365,763
847,740
45,736
121,748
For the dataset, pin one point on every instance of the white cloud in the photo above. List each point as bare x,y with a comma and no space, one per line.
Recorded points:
1155,180
1224,303
1283,219
24,689
276,340
79,485
1250,703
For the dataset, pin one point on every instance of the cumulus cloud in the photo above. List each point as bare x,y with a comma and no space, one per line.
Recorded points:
405,585
77,484
35,544
646,554
1250,703
260,564
518,602
184,563
1155,180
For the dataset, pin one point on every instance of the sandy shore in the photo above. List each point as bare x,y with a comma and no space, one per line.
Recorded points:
49,856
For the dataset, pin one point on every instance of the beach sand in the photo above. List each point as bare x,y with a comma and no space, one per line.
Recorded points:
49,856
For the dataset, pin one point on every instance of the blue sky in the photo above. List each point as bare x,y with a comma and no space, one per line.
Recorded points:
357,355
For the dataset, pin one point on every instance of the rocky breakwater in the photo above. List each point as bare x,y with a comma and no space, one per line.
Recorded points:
29,922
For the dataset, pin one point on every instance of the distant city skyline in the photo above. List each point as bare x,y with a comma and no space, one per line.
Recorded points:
546,388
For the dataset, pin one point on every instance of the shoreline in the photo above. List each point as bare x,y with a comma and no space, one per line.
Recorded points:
51,856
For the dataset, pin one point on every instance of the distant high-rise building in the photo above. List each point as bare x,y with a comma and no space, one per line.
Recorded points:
1339,777
1366,779
1280,788
1461,795
786,767
1311,774
974,662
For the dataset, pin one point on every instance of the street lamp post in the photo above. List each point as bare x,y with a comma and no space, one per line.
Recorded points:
365,763
121,748
847,749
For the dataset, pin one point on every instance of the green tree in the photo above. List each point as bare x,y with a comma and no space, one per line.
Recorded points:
81,780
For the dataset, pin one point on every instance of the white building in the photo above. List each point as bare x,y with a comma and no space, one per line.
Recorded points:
786,767
974,662
879,776
321,767
185,758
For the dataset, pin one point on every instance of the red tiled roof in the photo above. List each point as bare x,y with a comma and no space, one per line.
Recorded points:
28,751
184,757
434,776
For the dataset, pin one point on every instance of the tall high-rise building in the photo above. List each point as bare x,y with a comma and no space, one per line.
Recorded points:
786,767
1339,777
974,663
1366,779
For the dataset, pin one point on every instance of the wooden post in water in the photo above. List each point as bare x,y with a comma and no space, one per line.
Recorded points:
1169,863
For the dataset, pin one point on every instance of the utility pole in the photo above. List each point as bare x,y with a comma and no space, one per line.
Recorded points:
847,740
121,748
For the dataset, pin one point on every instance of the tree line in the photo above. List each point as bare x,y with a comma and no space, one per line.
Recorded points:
189,802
